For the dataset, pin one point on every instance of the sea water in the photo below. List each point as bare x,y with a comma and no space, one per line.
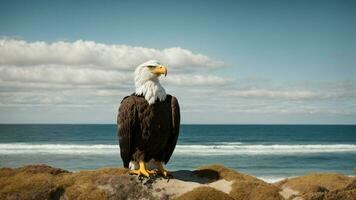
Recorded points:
270,152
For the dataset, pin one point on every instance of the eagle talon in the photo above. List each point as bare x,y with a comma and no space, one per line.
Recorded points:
142,171
165,173
161,170
152,172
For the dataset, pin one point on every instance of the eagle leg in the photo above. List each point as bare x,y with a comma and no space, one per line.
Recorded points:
143,171
162,170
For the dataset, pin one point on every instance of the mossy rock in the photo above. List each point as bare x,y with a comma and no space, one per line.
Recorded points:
45,182
29,183
245,187
205,193
322,186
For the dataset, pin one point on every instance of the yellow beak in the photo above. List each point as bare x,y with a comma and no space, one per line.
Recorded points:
160,69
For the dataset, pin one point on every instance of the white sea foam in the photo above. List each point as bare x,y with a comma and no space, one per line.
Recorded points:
27,148
264,149
196,150
228,143
273,179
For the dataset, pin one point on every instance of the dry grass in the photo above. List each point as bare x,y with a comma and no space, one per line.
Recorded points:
204,193
44,182
325,186
317,182
82,185
29,183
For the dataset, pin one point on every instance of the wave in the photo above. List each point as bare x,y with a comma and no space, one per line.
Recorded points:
264,149
184,149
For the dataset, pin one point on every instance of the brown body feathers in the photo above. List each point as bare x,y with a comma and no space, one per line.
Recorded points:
147,131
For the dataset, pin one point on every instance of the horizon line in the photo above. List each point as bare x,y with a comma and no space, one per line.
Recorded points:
180,124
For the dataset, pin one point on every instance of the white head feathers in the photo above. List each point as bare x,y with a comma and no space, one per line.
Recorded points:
147,83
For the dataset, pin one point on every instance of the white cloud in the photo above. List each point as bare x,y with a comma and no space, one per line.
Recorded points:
197,80
86,74
65,76
273,94
62,75
291,94
21,99
90,53
40,75
87,63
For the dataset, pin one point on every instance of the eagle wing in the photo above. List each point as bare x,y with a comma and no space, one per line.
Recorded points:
174,130
126,121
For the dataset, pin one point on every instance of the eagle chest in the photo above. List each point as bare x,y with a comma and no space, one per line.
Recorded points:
155,119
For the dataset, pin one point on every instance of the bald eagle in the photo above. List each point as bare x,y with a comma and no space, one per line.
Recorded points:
148,123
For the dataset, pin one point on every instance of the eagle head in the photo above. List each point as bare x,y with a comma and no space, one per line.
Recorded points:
147,82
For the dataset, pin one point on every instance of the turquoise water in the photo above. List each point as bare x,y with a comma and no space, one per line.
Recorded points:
270,152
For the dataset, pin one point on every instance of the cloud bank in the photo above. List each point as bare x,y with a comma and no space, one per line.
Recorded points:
86,74
292,94
91,78
92,54
90,63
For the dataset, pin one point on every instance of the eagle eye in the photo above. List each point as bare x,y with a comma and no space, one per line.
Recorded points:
150,66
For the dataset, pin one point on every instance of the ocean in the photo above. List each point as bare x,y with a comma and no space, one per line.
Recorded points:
269,152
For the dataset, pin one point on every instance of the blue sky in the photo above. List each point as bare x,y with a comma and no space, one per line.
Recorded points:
280,61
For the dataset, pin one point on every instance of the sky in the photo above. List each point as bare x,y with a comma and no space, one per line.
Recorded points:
229,62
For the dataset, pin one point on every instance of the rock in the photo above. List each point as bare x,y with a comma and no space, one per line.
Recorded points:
124,187
317,186
89,184
204,193
29,183
245,186
208,182
185,181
